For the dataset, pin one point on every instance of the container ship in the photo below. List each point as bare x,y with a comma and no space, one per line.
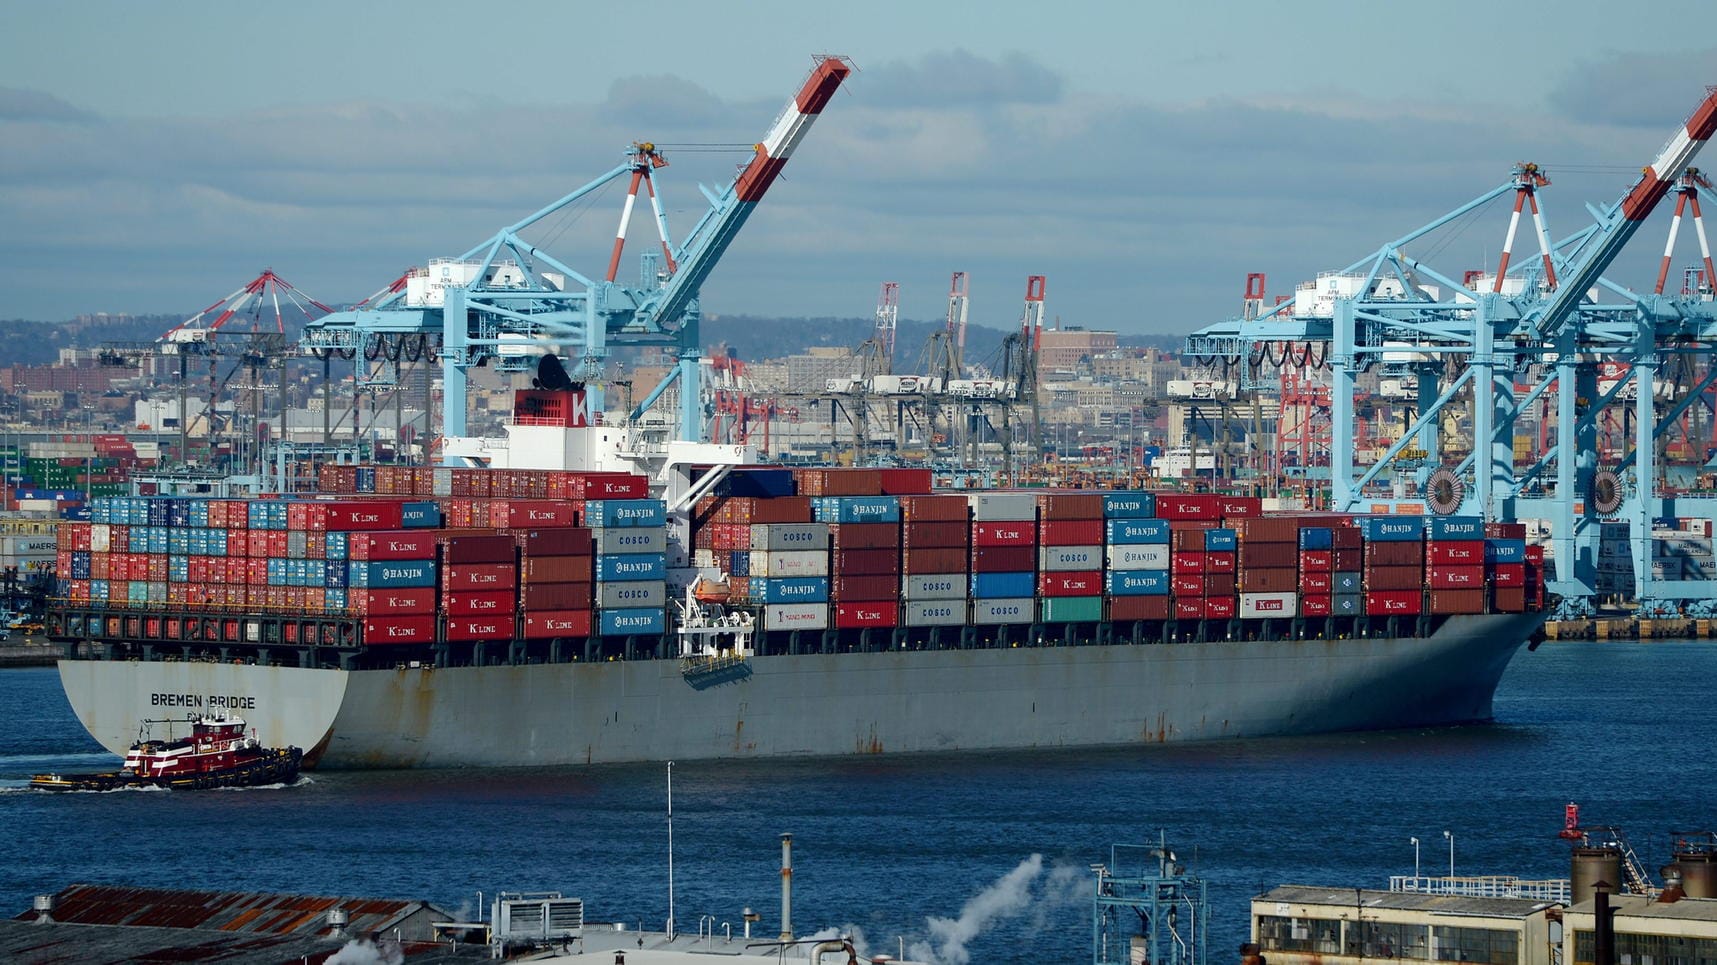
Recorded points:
712,608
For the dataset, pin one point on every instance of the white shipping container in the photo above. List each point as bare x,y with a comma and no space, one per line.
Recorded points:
441,482
630,539
934,613
789,536
100,537
1004,610
934,586
38,505
789,563
631,593
796,616
1003,507
1069,558
1259,606
1143,556
704,559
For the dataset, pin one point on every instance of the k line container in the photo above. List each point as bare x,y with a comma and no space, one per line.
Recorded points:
549,624
870,613
480,603
382,631
1257,606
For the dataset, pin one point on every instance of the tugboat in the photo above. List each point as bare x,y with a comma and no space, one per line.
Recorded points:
216,754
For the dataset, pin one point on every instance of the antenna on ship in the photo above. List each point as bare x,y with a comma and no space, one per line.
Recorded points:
670,851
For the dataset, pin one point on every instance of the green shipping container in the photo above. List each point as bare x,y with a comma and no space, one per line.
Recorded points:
1072,609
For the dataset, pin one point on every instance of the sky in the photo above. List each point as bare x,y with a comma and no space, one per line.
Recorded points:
1144,157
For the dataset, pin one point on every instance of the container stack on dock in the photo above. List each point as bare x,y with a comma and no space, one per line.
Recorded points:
1004,557
935,554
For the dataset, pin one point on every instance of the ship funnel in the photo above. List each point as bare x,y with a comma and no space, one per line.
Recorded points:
43,906
337,920
786,887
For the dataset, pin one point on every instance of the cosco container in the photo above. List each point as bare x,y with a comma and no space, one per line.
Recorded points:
1010,610
616,623
1054,558
936,586
789,536
618,513
933,613
631,593
630,540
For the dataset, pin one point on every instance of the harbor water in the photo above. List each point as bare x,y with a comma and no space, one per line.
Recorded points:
977,857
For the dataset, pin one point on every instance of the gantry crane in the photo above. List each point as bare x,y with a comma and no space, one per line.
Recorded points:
1548,323
506,299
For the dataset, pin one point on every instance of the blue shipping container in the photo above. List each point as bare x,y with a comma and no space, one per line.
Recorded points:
1136,583
632,566
1317,538
1136,531
1221,541
1392,529
419,515
619,623
856,509
993,586
1505,551
390,574
625,512
761,483
793,589
1456,528
1135,505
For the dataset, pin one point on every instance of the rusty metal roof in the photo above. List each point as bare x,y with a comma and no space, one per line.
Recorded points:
228,911
60,944
1345,899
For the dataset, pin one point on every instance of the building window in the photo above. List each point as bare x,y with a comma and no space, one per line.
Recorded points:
1453,944
1650,950
1318,935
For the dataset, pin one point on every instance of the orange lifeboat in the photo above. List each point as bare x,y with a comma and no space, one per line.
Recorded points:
709,591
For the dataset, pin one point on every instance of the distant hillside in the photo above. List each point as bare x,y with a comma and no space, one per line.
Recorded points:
39,343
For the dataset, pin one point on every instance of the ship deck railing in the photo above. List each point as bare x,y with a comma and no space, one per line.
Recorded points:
1486,886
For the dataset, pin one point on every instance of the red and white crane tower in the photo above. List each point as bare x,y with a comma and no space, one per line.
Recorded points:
887,321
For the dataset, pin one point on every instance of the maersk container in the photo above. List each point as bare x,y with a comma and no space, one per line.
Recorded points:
1261,606
1061,558
1134,505
631,566
1136,531
629,539
776,537
1221,541
796,616
1392,529
991,507
1003,585
1316,538
1455,528
631,593
1136,582
386,574
801,589
933,613
618,513
1072,609
1137,556
936,586
785,563
1011,610
619,623
856,509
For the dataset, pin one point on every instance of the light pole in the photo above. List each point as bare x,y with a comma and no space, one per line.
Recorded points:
1415,857
1451,838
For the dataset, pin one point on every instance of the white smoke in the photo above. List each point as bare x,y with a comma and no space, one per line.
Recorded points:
1008,897
362,951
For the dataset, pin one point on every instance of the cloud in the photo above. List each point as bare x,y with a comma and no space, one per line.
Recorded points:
17,104
1651,89
959,78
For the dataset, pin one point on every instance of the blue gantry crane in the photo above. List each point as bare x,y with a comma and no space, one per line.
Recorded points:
508,300
1476,340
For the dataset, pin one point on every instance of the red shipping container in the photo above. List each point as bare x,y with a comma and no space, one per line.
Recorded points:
1187,539
1219,607
1508,599
1187,585
557,623
555,596
385,630
1535,554
1456,578
1455,601
865,562
1072,532
479,576
496,548
1268,555
556,569
1317,561
1004,534
480,628
1315,605
1221,584
357,514
1394,603
1004,559
402,545
1188,506
851,536
1189,608
1505,530
521,513
1268,529
851,588
279,545
390,602
1349,559
904,482
1138,608
1457,553
1395,554
919,533
1393,578
927,509
1345,536
482,603
1507,574
561,541
934,559
1191,564
1220,561
1269,580
867,614
1316,583
607,485
1061,507
1071,583
1241,507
